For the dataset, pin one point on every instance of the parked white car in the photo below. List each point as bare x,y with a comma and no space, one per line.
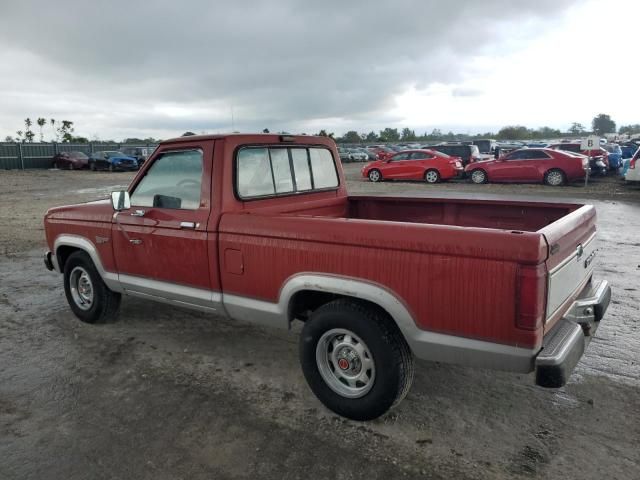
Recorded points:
357,155
633,172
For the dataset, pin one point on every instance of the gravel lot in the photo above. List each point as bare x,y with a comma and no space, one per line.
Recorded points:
168,393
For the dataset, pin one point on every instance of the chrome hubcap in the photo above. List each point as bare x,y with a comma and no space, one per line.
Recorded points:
345,363
81,288
432,177
477,176
554,178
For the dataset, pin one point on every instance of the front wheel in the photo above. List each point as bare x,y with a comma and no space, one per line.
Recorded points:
479,176
554,177
88,296
432,176
355,359
375,175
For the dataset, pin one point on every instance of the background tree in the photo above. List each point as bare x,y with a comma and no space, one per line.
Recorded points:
629,129
546,132
9,138
351,137
514,132
389,135
602,124
41,123
408,134
323,133
371,137
266,130
19,136
65,131
576,129
52,121
28,134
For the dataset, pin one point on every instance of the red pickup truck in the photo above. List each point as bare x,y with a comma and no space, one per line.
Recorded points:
260,228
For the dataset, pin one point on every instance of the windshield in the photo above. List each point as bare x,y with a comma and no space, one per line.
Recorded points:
115,154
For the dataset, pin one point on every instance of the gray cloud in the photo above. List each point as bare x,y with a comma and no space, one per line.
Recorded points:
113,66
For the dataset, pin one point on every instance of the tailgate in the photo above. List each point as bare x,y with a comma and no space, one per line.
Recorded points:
571,241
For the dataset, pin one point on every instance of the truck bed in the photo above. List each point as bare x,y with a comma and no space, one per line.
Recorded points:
523,216
436,251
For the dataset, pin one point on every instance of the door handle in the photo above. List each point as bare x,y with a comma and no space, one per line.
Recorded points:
138,213
188,225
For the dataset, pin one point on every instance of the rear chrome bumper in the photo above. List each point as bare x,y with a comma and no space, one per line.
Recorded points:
565,343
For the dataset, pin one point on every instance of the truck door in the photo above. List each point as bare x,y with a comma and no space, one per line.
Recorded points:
161,243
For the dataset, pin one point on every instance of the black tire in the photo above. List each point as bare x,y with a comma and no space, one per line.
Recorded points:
92,166
555,177
375,177
390,353
479,176
105,305
432,176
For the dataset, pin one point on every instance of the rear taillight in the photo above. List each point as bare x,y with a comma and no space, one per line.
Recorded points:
632,163
531,297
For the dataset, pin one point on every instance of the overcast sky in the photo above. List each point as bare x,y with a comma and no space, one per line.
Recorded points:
157,68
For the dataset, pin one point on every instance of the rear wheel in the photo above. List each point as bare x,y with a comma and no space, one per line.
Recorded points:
88,296
479,176
355,359
432,176
375,175
554,177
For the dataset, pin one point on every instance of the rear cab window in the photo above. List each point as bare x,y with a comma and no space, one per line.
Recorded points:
274,171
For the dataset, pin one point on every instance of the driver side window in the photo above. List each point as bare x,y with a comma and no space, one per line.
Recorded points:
400,156
173,181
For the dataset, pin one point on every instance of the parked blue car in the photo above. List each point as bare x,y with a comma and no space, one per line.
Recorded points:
112,160
615,155
628,150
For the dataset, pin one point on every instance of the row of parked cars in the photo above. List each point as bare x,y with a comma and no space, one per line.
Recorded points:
127,158
554,164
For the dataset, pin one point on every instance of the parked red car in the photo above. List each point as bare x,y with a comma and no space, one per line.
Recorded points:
596,154
70,160
533,165
427,165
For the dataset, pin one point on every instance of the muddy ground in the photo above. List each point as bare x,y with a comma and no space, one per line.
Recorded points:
168,393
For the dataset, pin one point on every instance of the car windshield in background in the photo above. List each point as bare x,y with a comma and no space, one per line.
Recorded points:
115,154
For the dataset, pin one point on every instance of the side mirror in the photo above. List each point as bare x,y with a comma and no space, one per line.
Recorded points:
120,200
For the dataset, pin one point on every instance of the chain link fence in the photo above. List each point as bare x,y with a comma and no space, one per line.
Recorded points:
40,155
